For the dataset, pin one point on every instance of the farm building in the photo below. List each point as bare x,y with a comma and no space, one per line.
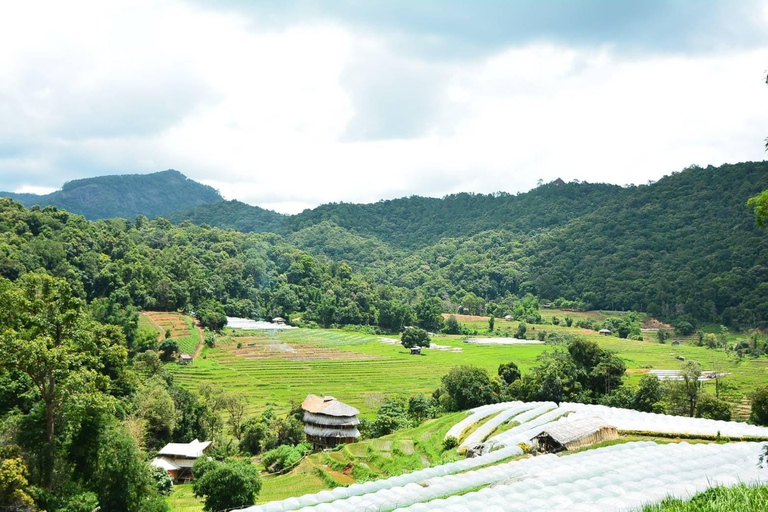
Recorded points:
415,351
177,459
185,358
328,422
571,435
604,332
278,320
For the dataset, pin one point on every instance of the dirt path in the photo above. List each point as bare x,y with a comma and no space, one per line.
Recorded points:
200,342
156,325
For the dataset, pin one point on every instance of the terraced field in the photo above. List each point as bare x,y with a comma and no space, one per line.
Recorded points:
182,327
275,368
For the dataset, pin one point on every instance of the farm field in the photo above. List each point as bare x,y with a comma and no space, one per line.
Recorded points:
273,368
182,328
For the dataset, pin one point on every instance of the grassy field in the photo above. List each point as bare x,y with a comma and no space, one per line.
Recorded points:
274,368
718,499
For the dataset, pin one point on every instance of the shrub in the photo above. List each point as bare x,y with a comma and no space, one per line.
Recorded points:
449,443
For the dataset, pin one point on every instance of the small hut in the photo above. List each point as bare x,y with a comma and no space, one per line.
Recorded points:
328,422
415,351
605,332
571,435
278,320
177,459
185,358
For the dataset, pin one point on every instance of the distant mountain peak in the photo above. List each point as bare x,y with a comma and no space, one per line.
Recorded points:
126,195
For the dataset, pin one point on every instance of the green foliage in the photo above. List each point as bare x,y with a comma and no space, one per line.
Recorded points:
521,330
429,314
392,416
717,499
450,442
712,408
285,456
759,409
509,372
415,337
452,326
226,485
169,348
209,338
759,203
465,387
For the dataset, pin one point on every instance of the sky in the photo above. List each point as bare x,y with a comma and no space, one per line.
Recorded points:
288,105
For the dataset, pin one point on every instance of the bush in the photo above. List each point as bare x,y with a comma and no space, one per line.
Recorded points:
521,329
759,414
285,456
712,408
226,485
467,387
449,443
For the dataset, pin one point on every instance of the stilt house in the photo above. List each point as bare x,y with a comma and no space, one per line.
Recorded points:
178,458
328,422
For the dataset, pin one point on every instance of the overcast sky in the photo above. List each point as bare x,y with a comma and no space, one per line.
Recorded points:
288,105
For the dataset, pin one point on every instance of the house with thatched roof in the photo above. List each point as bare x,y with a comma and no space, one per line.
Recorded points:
177,459
329,422
575,434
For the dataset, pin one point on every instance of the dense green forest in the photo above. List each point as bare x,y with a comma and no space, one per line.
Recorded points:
105,197
685,248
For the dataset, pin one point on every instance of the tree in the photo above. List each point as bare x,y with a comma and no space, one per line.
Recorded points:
759,412
414,337
491,321
47,337
568,321
684,394
452,326
509,372
712,408
13,481
226,485
467,387
521,329
169,347
648,395
235,407
429,314
760,202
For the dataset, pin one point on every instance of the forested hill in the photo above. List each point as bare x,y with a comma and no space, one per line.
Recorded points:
232,215
125,196
414,222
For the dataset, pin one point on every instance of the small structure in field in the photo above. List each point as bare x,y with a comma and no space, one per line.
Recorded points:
177,459
415,351
278,320
185,359
508,318
605,332
328,422
572,435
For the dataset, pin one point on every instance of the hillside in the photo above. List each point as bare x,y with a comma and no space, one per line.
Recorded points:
232,215
415,222
125,196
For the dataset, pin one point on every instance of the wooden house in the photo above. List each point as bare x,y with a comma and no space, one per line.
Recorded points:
578,433
185,359
605,332
177,459
415,351
328,422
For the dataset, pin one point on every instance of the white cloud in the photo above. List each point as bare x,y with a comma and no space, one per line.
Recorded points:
320,112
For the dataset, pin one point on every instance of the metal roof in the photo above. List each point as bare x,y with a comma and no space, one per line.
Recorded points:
191,450
163,463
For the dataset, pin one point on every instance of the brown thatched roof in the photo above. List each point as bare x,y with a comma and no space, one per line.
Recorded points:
327,406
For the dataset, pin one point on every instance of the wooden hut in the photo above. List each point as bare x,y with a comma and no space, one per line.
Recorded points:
185,359
328,422
578,433
177,459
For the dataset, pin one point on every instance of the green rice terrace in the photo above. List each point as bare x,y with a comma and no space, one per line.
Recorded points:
272,368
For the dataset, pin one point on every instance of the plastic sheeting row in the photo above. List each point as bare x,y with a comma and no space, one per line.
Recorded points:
341,493
478,414
617,478
627,419
509,414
